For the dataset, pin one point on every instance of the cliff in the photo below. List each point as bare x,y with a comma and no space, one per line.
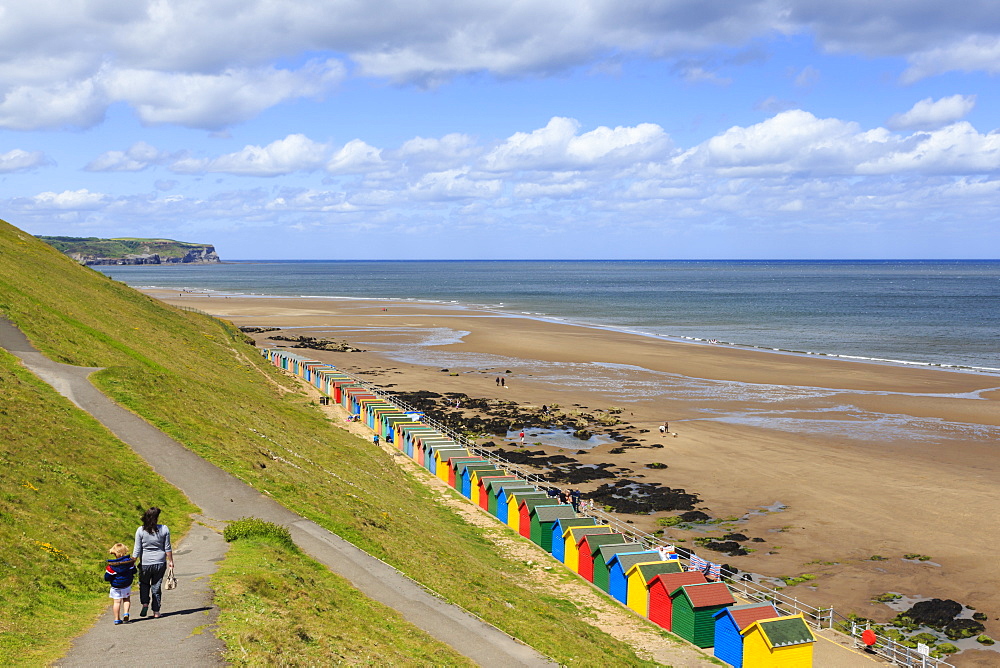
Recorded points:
92,250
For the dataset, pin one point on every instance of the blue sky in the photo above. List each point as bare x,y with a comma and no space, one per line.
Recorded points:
545,129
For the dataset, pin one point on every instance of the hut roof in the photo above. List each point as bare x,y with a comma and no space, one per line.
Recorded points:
532,503
705,594
594,541
629,559
672,581
652,568
748,613
608,551
579,531
784,631
553,513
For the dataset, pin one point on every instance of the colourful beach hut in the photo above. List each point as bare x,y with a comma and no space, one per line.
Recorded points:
504,498
572,537
560,527
694,607
587,549
441,458
602,559
639,577
527,507
484,488
620,565
454,478
785,641
661,606
468,471
543,519
496,491
729,625
514,500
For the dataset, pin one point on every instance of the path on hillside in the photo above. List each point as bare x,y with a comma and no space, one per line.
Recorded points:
225,498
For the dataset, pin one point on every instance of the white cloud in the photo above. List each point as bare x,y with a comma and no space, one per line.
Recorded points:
212,64
214,101
18,160
956,149
973,53
294,153
929,113
557,146
138,157
69,200
355,157
449,151
454,184
70,104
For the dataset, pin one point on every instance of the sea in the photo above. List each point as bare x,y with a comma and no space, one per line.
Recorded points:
944,314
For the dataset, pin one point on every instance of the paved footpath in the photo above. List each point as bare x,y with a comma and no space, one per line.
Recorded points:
223,498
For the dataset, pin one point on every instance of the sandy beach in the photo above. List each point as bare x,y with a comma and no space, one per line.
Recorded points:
853,459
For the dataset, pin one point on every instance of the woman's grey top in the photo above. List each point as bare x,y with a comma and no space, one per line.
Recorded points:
152,548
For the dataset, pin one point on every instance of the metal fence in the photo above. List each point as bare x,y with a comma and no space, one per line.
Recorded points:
819,618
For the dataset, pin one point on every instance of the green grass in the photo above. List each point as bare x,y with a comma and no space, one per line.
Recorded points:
277,602
69,490
197,379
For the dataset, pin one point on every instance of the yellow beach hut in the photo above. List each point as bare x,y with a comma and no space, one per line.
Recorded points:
783,641
571,538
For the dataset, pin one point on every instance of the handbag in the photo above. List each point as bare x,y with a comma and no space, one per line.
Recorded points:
169,581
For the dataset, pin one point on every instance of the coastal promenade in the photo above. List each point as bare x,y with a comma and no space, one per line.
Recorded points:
223,498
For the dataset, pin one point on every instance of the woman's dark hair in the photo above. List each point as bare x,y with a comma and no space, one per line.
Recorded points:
150,519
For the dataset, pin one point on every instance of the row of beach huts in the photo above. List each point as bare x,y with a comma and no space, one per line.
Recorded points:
654,583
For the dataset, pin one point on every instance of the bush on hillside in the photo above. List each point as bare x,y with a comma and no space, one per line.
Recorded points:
253,527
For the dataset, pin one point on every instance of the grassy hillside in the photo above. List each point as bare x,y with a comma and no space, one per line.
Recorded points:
197,379
121,247
69,490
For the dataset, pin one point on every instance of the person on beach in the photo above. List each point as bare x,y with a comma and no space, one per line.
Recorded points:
375,439
498,381
503,382
120,572
389,438
154,553
574,498
521,436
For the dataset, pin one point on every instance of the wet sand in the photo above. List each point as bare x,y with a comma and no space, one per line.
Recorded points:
867,459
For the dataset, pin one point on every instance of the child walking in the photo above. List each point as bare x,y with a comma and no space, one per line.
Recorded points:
120,572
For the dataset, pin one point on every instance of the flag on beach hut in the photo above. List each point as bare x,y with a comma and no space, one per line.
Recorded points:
661,606
602,559
619,565
572,536
587,549
560,527
729,625
543,519
785,641
514,506
694,607
639,577
526,507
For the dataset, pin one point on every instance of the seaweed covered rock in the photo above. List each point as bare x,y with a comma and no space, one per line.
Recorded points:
694,516
730,547
934,612
629,496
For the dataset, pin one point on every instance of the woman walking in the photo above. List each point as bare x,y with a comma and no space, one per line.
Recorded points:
154,552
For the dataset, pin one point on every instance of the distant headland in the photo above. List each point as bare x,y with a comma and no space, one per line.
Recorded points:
93,250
